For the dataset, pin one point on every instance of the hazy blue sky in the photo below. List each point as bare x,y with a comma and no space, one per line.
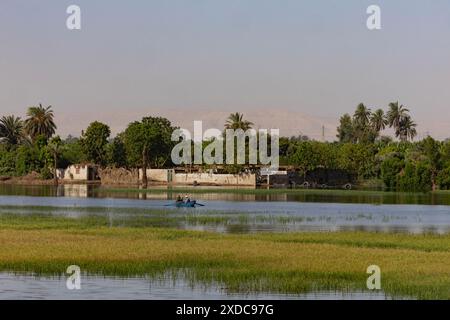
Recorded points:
200,59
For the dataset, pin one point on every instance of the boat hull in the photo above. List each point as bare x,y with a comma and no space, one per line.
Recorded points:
190,204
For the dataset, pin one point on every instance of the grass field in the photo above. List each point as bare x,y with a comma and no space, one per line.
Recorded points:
416,266
150,217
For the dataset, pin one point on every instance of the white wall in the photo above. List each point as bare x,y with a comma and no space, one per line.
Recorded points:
216,179
162,175
76,172
156,175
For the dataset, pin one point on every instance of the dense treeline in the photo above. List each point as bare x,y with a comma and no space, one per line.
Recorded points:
403,165
30,145
407,166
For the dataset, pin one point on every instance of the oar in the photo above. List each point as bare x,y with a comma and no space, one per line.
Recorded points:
199,204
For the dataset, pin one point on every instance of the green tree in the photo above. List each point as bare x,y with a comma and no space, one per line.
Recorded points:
160,151
284,146
378,121
395,114
40,122
415,177
55,147
72,152
407,129
7,161
443,178
385,140
116,152
305,157
94,141
148,141
236,121
363,131
11,130
398,118
445,151
431,149
362,116
32,158
357,158
346,132
390,169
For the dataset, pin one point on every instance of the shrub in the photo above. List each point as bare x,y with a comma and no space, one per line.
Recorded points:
443,178
390,168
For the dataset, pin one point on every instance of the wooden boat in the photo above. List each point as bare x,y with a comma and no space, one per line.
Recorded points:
188,204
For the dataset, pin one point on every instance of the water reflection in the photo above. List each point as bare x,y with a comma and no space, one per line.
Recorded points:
239,212
323,196
239,217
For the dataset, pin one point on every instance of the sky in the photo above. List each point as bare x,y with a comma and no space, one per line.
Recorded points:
288,64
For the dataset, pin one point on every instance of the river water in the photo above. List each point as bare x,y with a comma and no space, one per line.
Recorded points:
237,213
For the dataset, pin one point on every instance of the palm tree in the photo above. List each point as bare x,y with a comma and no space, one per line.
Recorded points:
11,130
398,117
362,115
236,121
40,122
407,129
378,121
346,130
361,121
55,148
395,114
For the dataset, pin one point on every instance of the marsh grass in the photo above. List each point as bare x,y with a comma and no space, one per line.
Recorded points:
167,217
415,266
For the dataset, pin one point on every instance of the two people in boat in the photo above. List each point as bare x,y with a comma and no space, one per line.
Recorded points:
185,200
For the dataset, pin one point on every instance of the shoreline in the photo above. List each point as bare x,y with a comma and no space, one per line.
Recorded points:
158,188
20,181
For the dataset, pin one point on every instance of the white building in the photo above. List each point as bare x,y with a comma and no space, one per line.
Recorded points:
78,172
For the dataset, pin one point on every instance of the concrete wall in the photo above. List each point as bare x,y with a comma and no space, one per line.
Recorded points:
280,178
215,179
75,172
157,175
168,176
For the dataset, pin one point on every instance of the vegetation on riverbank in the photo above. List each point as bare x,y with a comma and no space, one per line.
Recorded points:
412,265
29,146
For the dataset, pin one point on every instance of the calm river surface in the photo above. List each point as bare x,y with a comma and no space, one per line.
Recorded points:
322,196
240,213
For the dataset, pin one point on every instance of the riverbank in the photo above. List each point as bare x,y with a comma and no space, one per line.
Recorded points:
202,193
34,179
414,266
